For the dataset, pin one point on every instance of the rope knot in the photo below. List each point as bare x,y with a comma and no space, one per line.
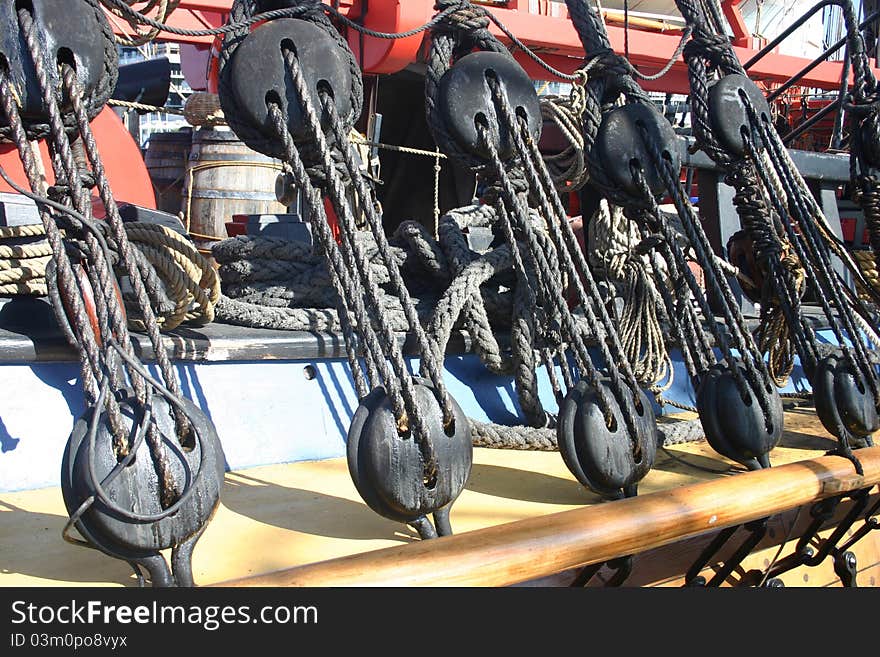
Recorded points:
493,190
708,45
466,18
607,64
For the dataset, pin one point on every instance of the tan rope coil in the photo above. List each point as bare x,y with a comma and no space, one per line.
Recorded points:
868,265
23,265
190,279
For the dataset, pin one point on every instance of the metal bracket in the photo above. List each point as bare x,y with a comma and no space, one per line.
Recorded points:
622,567
757,530
807,555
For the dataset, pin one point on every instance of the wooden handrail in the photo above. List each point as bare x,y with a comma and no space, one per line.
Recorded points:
538,547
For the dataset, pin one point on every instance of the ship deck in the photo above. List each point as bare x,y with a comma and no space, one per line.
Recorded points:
279,516
288,499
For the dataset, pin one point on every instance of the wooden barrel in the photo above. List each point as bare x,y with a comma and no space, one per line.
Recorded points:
224,178
166,159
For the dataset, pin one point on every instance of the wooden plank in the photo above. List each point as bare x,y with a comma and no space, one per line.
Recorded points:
537,547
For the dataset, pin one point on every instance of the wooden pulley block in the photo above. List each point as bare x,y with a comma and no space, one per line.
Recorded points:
842,400
465,99
620,146
727,110
388,469
607,460
257,73
69,32
737,428
127,519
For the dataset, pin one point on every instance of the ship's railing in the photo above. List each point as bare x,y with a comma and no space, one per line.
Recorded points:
539,547
795,79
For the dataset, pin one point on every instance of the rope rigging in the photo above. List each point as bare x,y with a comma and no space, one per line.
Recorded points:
732,125
496,134
312,137
630,150
130,413
291,88
305,121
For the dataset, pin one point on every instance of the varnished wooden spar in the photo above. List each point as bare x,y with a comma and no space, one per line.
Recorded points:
538,547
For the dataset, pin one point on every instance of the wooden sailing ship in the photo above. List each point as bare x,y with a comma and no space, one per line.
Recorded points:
283,402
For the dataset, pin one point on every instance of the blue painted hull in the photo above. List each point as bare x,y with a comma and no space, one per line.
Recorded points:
265,411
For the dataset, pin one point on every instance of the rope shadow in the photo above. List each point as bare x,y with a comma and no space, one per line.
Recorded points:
308,512
527,486
696,465
7,442
57,560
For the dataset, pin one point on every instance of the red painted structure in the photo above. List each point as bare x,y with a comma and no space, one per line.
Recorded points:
553,37
122,158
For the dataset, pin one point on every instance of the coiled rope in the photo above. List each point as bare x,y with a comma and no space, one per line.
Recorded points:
183,285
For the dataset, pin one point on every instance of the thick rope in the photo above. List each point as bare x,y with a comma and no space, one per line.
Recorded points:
164,9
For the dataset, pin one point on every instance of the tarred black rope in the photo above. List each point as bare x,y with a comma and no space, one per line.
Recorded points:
866,192
405,409
516,222
704,57
350,296
827,286
610,77
756,373
67,172
126,256
410,416
523,323
101,276
565,243
642,208
253,19
67,283
96,365
780,291
431,365
679,314
710,51
820,284
862,107
455,36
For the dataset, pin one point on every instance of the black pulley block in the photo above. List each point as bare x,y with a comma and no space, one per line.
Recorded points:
127,492
387,468
465,98
69,32
734,427
606,460
620,145
258,73
842,401
727,111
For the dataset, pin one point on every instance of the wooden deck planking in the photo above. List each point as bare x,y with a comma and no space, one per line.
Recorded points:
278,516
